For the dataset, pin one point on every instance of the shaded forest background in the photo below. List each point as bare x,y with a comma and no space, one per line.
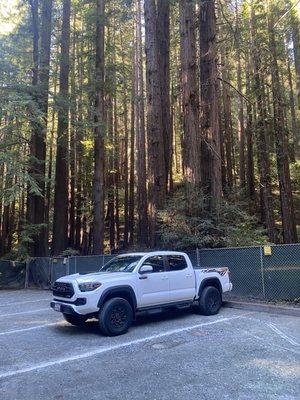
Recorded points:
131,124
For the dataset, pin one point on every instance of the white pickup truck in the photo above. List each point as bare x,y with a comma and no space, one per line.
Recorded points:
136,282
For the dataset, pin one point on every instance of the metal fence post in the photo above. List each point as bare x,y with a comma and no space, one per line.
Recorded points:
68,266
262,271
198,257
51,271
26,275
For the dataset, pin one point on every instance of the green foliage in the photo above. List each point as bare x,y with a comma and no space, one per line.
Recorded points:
70,253
295,175
230,226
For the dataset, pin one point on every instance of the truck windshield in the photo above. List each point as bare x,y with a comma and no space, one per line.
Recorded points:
121,264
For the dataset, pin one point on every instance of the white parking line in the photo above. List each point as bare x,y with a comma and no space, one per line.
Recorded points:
283,335
112,348
32,328
25,312
23,302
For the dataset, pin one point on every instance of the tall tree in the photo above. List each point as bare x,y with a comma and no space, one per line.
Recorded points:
163,48
249,136
36,201
241,130
60,222
267,204
295,23
210,144
190,98
99,133
142,223
286,196
227,117
156,155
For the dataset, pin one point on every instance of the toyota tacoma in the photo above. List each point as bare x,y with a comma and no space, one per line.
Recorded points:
135,282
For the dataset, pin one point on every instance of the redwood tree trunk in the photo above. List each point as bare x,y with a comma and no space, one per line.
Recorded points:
210,146
241,130
190,98
60,222
267,207
98,183
249,136
156,155
295,22
163,46
286,196
142,223
228,136
36,203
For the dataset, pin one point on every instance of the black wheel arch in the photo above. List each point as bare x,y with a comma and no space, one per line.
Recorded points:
215,282
124,291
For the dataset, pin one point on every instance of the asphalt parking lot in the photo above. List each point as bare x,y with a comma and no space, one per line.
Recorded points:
181,355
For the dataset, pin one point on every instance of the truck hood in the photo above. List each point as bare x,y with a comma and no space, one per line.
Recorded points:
95,277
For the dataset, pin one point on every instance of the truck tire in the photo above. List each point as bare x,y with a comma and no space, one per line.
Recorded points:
210,301
76,320
115,316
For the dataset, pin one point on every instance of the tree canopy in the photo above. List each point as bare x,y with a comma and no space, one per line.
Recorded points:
148,123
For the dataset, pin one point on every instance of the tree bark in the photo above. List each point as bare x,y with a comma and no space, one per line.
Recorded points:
295,22
31,198
163,45
227,117
156,155
295,126
190,98
249,137
210,146
131,174
36,203
267,207
241,131
99,132
73,178
286,196
142,222
60,222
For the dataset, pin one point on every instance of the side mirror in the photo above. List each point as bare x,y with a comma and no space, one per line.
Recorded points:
145,269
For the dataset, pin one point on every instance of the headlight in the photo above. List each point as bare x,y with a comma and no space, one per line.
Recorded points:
89,286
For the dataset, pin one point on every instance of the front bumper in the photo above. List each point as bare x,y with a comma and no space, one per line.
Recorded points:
71,300
63,308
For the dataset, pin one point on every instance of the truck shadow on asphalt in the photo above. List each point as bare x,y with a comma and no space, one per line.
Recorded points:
142,319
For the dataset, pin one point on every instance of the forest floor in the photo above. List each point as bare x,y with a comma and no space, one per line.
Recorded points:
233,355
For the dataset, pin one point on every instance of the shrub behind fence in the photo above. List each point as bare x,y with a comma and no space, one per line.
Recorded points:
254,272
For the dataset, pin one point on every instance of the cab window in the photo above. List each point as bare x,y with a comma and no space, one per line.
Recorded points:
156,262
176,263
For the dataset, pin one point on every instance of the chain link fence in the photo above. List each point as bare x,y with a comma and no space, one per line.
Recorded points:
259,272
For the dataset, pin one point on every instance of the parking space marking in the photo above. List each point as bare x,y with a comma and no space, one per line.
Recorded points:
283,335
25,312
32,328
113,347
23,302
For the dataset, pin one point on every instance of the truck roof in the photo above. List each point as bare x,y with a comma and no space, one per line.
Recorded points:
156,252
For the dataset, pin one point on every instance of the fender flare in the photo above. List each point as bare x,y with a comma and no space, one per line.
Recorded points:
214,281
117,289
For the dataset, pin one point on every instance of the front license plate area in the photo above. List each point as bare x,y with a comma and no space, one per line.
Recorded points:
57,307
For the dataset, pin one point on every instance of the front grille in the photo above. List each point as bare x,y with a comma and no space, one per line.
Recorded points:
63,289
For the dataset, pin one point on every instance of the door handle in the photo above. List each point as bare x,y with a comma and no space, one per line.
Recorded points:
143,277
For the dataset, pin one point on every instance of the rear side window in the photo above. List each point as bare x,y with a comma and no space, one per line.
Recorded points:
176,263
